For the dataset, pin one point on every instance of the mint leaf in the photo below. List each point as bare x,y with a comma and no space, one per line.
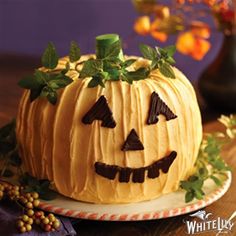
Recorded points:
170,60
148,52
189,196
139,74
50,57
35,93
41,77
198,194
50,94
126,79
217,181
91,68
59,81
74,52
186,185
170,50
95,81
29,82
128,63
167,71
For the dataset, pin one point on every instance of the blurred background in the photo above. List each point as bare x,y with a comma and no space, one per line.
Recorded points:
26,27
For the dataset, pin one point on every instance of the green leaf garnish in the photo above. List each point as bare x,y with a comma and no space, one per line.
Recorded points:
50,57
148,52
139,74
210,164
162,58
42,187
44,84
112,66
74,52
95,81
8,148
91,68
128,63
166,70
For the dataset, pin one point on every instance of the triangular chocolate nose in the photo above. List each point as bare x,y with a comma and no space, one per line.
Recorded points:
132,142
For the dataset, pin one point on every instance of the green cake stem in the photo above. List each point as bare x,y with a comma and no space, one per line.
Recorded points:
103,42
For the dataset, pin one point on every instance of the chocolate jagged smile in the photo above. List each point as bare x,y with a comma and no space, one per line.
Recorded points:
110,171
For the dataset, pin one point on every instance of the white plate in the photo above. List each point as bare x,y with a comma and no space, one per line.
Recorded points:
168,205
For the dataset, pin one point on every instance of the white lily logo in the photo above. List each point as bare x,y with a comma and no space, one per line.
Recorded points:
201,215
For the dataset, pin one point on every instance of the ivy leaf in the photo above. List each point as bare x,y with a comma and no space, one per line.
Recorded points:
74,52
167,71
50,57
148,52
91,68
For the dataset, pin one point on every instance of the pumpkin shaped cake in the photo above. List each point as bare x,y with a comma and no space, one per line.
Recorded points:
116,143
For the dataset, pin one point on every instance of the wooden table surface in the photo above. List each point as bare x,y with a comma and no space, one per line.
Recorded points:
12,68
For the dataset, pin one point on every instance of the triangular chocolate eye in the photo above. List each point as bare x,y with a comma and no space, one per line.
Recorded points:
158,107
132,142
100,111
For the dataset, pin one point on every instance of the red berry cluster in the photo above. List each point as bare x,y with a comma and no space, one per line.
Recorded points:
28,202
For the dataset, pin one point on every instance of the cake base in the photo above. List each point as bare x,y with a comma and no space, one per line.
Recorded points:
168,205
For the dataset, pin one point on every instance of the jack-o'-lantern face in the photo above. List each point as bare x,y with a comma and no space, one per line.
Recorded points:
101,111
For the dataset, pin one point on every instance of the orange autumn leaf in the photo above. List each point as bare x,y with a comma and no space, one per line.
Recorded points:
201,48
189,44
200,29
185,43
156,33
142,25
162,37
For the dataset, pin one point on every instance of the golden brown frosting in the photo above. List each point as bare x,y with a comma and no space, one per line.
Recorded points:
55,144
